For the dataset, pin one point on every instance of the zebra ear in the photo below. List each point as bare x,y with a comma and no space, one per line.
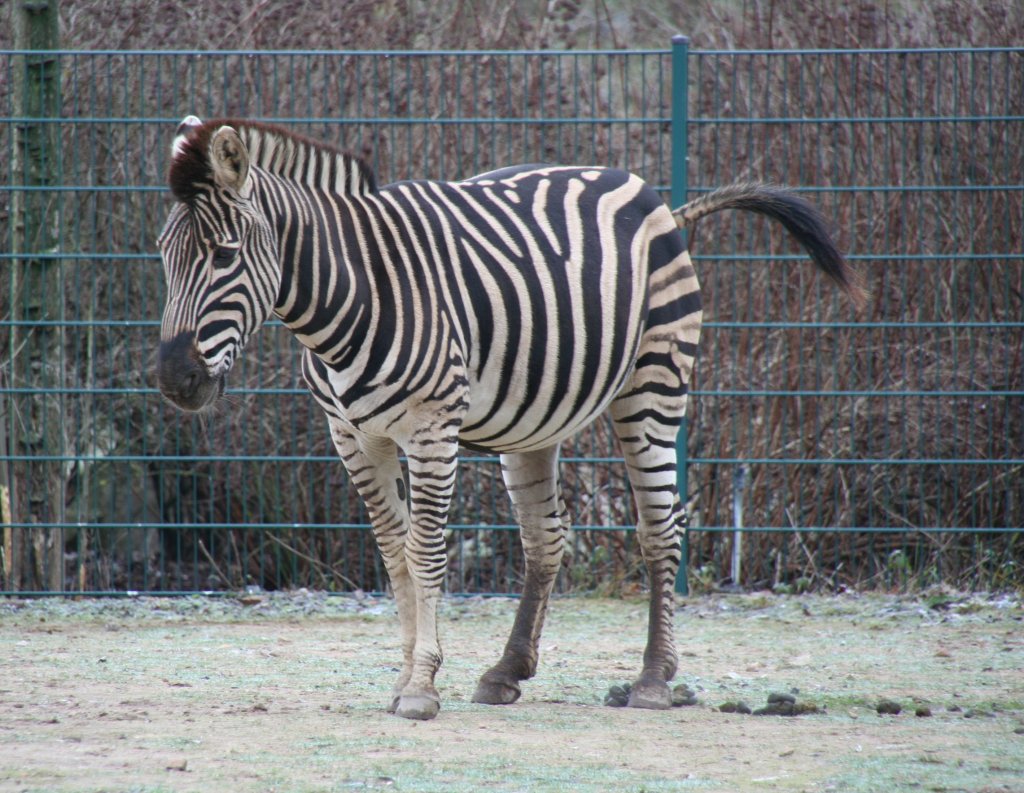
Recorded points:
229,159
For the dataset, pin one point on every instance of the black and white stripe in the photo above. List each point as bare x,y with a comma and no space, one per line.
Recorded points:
504,312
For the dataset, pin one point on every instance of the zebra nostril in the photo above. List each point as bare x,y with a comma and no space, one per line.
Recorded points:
190,383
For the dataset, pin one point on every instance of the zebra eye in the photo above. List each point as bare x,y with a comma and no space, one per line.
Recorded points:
223,255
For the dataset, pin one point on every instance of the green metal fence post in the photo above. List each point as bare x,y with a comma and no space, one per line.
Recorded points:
36,291
680,93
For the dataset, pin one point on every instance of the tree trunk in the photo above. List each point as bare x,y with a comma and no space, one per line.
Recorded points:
36,428
7,565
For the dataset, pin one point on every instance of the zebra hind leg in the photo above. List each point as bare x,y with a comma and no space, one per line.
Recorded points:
648,446
646,417
532,482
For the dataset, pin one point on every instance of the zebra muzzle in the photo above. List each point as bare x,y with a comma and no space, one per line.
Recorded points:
182,375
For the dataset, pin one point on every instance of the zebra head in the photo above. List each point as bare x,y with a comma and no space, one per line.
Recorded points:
220,263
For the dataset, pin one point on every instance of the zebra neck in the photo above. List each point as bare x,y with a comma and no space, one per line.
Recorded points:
322,300
305,162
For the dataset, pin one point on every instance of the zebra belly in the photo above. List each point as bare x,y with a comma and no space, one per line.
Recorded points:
535,413
555,413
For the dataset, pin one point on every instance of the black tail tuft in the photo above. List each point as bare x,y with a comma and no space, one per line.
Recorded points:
798,216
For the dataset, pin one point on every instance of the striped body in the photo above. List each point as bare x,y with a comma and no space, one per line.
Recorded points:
504,312
536,333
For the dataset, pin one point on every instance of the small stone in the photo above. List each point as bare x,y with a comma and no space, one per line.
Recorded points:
923,712
978,713
777,709
805,708
779,696
888,708
728,707
617,696
682,695
1019,730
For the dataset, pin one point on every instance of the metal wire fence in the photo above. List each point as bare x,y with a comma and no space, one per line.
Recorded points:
880,449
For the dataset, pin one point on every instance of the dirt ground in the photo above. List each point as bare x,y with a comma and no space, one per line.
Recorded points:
287,693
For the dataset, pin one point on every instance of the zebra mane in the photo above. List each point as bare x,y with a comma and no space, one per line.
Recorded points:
273,149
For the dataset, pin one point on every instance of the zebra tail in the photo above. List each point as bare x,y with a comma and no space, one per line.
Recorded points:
798,216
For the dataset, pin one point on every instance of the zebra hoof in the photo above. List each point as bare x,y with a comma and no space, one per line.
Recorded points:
393,707
494,692
420,708
650,696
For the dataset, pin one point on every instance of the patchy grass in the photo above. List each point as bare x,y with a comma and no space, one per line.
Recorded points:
288,694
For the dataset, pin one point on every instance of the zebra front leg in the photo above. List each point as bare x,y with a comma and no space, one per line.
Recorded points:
432,468
374,469
532,482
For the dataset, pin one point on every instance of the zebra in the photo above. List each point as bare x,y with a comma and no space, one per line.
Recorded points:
501,313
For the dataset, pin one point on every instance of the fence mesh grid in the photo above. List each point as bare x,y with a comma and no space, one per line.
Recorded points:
882,448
